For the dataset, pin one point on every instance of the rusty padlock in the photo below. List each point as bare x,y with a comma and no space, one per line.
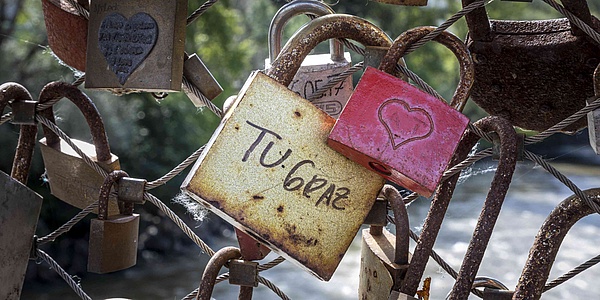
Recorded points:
20,205
399,131
533,73
70,178
67,32
113,238
547,243
385,257
593,117
136,45
279,181
404,2
196,74
316,70
214,265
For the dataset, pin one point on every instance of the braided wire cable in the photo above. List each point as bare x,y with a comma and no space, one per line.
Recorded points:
178,169
65,276
562,178
80,80
564,123
203,98
198,12
186,229
5,118
80,9
68,140
47,104
271,264
576,271
335,80
67,226
575,20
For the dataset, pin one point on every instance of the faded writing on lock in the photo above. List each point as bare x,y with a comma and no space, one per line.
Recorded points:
317,186
100,8
306,87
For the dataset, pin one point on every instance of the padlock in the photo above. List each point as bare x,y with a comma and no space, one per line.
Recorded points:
113,238
197,76
279,181
385,257
251,248
214,265
404,2
20,205
399,131
593,117
317,69
67,32
533,73
70,178
547,243
136,45
243,273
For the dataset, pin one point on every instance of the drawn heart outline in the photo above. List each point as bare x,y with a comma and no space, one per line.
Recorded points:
125,43
409,110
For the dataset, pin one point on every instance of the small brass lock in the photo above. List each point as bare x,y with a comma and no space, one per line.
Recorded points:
316,70
593,117
113,239
279,181
136,45
399,131
70,178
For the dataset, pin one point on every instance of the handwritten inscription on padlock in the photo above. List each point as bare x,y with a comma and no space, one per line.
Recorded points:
268,171
126,43
317,187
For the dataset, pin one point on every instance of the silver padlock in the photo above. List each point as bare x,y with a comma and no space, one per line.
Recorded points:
594,116
316,70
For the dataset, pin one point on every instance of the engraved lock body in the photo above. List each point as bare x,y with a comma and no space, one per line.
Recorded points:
70,178
533,73
399,131
279,181
20,205
317,69
136,45
593,117
113,238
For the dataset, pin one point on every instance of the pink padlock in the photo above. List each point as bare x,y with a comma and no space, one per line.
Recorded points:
399,131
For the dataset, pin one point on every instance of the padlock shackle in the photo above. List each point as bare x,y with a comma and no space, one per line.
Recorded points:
10,92
597,80
291,9
57,90
450,41
491,207
318,30
402,231
547,243
209,276
435,216
124,208
479,23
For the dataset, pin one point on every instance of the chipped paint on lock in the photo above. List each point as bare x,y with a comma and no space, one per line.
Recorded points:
267,170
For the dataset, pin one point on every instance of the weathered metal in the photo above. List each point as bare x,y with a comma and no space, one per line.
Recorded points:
243,273
404,2
437,211
495,294
378,214
67,32
113,238
278,180
18,220
548,241
132,190
399,131
593,117
497,146
216,262
251,248
491,206
23,112
385,257
533,73
198,75
70,178
316,69
136,45
14,92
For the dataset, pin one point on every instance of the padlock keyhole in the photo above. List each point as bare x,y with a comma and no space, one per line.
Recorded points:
380,168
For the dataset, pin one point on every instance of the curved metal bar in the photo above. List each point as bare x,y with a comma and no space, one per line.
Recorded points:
287,63
57,90
491,207
548,241
450,41
26,144
402,231
211,271
112,177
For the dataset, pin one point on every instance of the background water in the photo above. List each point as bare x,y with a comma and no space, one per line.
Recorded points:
532,195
